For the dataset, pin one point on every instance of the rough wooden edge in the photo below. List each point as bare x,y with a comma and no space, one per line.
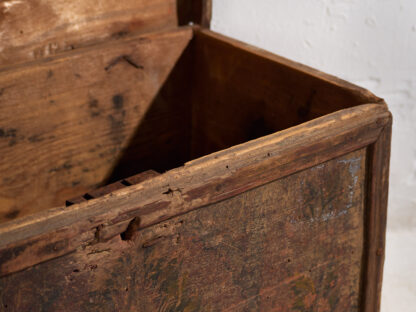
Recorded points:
376,217
364,95
52,233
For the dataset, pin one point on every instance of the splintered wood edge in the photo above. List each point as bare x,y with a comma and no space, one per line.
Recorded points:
56,232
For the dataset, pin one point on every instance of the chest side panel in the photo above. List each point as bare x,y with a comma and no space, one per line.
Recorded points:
291,245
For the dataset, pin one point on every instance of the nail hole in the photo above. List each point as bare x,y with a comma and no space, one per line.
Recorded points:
169,191
87,196
132,228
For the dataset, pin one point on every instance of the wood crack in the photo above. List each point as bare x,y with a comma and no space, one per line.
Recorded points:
124,58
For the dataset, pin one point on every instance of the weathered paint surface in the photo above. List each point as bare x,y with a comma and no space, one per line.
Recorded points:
294,244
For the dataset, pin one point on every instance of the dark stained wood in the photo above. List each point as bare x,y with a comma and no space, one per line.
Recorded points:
244,93
290,245
377,198
35,29
196,12
285,208
143,120
66,122
200,182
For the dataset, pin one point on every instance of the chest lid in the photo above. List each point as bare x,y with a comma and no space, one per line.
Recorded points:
35,29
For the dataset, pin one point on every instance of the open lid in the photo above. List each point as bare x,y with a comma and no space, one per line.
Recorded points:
35,29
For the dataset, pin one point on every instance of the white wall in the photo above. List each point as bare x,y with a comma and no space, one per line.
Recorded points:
371,43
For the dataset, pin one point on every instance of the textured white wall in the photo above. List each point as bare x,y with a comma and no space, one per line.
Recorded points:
371,43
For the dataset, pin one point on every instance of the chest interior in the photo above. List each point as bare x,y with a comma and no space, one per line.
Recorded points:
92,95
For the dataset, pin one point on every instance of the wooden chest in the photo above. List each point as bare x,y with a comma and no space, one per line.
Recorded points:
149,164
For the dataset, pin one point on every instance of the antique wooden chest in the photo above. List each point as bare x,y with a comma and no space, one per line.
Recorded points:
149,164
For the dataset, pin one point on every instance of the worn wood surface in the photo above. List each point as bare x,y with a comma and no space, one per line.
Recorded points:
169,63
64,122
203,181
376,218
291,245
244,93
34,29
103,113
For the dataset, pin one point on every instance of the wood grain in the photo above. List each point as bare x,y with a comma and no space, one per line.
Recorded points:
293,166
243,93
65,122
376,218
143,121
34,29
290,245
203,181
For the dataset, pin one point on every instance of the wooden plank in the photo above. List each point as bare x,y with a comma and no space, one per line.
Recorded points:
65,122
243,93
376,218
96,224
201,182
289,245
133,236
217,124
34,29
300,71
